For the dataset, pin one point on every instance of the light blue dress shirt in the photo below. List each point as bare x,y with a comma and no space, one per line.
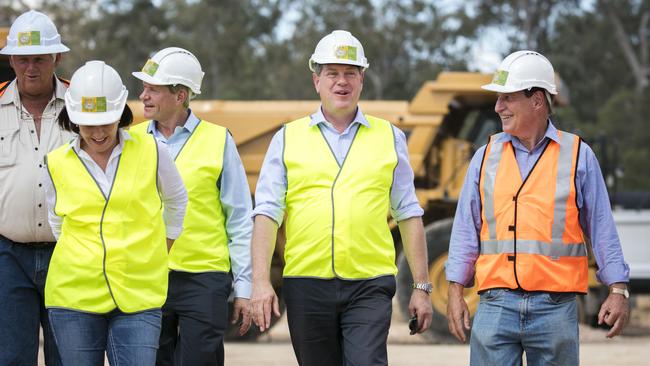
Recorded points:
593,202
270,194
235,201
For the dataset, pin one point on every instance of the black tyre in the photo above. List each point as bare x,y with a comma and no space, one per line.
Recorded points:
437,236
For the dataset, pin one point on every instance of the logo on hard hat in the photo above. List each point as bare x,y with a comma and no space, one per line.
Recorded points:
32,38
500,77
150,67
346,53
93,104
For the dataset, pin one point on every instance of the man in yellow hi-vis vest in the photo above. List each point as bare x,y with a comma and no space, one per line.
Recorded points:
336,174
217,228
529,195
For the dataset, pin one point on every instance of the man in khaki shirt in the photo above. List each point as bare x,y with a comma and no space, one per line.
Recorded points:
29,106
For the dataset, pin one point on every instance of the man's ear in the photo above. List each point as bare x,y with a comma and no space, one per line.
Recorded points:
316,80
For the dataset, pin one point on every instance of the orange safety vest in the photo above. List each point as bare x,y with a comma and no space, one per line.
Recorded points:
531,236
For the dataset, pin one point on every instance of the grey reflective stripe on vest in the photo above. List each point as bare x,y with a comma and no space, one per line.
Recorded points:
562,183
490,175
554,250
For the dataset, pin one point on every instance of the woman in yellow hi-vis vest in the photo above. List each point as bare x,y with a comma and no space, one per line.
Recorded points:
106,191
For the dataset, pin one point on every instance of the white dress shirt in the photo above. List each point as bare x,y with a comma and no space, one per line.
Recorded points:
172,189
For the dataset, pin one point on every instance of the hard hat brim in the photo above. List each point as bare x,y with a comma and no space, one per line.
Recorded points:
153,81
338,61
33,50
499,88
504,89
95,118
147,78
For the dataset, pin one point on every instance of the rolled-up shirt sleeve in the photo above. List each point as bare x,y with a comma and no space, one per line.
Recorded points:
271,190
597,221
403,201
236,203
172,192
464,243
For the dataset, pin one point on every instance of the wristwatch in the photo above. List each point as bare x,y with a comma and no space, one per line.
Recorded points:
620,291
425,286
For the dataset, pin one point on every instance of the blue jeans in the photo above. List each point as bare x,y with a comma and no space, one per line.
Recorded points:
508,323
23,269
128,339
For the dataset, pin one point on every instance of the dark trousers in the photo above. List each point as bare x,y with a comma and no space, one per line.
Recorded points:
195,317
339,322
23,269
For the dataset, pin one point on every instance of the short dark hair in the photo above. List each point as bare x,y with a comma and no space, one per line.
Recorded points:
65,123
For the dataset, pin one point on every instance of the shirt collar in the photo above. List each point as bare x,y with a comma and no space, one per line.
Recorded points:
123,135
11,94
319,117
190,123
551,133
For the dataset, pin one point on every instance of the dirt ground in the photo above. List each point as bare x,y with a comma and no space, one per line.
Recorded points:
632,348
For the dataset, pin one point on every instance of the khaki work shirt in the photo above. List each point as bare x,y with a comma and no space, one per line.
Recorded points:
23,209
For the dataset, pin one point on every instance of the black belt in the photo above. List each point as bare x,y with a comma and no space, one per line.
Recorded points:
33,244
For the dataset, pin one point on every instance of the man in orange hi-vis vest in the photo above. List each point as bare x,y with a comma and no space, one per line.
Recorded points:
528,197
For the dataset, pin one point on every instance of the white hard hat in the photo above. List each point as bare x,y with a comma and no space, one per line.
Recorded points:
96,95
339,47
172,66
33,33
523,70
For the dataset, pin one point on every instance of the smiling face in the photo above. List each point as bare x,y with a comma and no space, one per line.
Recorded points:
339,87
99,139
160,103
34,74
515,111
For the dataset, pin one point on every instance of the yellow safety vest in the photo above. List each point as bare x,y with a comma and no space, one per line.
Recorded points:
531,236
112,251
336,215
203,244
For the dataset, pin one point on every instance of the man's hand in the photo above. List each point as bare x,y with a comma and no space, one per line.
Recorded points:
241,309
457,312
262,301
614,312
420,305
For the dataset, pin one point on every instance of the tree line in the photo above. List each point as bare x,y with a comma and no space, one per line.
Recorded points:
258,49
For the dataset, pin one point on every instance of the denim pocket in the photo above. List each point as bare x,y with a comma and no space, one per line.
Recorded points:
491,294
560,297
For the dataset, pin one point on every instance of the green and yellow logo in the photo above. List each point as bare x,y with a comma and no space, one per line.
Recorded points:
150,67
500,77
346,53
32,38
93,104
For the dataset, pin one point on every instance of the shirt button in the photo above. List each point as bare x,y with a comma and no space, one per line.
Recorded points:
40,165
39,224
32,131
40,184
36,148
40,205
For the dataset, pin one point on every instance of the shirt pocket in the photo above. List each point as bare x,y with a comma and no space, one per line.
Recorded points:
8,147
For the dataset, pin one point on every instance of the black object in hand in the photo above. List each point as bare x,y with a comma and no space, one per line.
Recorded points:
413,324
